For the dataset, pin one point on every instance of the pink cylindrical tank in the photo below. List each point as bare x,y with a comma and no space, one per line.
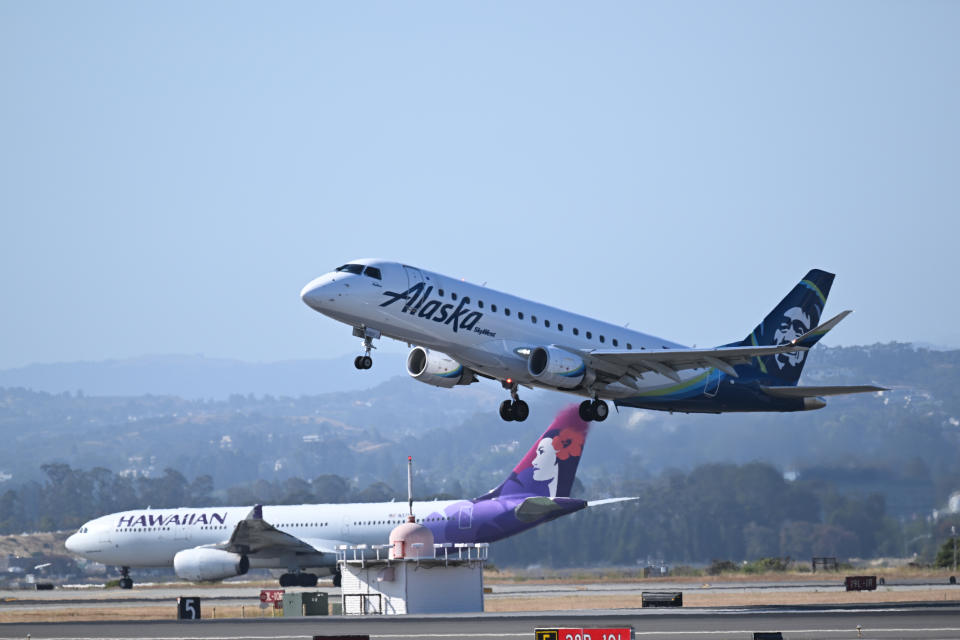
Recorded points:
405,536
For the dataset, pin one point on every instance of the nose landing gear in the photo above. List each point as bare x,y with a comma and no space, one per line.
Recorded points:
595,410
126,582
368,335
515,408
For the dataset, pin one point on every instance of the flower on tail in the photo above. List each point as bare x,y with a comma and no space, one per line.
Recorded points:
569,442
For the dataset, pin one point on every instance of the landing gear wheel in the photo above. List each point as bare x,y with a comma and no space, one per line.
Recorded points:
126,582
586,411
337,579
306,580
366,362
358,362
520,410
506,411
600,410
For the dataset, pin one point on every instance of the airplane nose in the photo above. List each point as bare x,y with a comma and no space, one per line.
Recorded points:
311,294
71,543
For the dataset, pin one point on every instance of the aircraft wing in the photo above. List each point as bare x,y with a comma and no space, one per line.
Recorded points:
810,392
628,366
255,536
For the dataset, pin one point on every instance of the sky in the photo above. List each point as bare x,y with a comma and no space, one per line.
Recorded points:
173,173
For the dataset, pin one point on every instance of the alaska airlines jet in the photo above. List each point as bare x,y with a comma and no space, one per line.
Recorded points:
461,331
221,542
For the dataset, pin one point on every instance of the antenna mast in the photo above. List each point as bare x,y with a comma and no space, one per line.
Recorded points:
410,518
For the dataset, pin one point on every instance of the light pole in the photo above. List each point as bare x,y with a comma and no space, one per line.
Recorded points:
953,532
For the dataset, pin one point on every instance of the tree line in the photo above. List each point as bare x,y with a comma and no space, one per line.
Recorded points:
717,511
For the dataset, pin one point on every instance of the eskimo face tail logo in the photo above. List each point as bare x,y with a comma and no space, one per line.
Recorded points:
794,323
418,303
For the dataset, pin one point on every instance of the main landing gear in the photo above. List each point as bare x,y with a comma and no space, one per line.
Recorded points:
298,579
594,410
368,335
126,582
515,408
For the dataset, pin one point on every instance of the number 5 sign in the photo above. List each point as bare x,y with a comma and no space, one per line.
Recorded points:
188,608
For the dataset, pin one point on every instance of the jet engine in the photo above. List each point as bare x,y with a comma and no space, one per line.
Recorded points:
209,564
556,367
437,368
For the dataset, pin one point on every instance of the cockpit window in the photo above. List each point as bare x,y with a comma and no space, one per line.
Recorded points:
351,268
373,272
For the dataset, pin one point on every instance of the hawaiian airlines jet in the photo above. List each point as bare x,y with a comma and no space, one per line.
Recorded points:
221,542
461,331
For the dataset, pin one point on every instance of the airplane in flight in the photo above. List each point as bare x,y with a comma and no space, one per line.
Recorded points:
215,543
460,332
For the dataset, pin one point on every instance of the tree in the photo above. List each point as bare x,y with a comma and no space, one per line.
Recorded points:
945,555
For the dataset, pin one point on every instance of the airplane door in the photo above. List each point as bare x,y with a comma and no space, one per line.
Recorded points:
466,516
713,383
182,532
413,275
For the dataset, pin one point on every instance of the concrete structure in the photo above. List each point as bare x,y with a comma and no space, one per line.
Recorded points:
444,578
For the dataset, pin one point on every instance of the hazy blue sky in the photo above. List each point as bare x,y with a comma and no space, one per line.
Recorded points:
172,173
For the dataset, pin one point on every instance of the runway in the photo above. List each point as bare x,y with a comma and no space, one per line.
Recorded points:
915,615
919,621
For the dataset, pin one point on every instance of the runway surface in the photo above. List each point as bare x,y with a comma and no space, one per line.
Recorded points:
914,619
920,621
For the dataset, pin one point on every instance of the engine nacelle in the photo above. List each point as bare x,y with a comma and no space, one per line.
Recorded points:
209,564
556,367
437,368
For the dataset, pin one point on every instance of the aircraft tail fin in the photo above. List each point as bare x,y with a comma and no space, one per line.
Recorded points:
796,315
550,466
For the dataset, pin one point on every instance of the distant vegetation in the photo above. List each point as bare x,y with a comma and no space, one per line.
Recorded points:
864,474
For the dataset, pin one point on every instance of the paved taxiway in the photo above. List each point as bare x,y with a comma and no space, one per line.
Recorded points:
919,621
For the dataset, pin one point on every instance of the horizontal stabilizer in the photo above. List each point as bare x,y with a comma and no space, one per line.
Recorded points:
812,392
811,337
597,503
537,507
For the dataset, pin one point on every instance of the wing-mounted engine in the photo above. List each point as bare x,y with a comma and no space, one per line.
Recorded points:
209,564
556,367
436,368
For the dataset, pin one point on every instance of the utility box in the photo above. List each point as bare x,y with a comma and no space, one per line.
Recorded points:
661,599
861,583
305,603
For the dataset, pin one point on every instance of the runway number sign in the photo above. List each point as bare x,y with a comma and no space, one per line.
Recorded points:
274,596
624,633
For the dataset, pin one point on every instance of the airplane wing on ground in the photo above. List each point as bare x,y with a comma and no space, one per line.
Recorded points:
628,366
255,536
811,392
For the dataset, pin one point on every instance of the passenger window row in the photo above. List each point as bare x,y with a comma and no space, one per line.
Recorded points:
533,319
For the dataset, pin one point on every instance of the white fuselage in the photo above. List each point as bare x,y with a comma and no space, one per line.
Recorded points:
493,332
152,537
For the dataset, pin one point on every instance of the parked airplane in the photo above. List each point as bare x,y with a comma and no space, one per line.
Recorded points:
220,542
460,331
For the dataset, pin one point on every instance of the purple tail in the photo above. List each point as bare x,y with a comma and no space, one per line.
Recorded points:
550,465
